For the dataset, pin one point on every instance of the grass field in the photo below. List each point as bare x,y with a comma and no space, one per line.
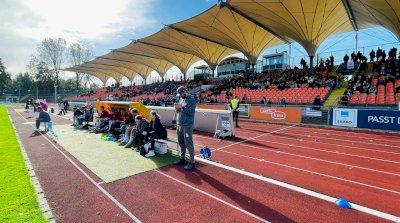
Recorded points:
17,198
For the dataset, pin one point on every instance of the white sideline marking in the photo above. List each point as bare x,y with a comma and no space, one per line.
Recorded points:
40,195
115,201
313,172
214,197
302,190
268,133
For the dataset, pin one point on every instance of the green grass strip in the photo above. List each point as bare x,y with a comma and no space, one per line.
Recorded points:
17,198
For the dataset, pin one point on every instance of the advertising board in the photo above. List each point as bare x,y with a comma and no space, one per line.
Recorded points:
379,119
344,117
278,114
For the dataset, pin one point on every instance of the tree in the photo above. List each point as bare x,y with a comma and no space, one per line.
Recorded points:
43,76
22,83
79,54
5,77
52,52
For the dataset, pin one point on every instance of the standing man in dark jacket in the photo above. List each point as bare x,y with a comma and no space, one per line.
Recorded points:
185,121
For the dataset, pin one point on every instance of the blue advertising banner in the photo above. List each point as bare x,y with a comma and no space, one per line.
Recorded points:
379,119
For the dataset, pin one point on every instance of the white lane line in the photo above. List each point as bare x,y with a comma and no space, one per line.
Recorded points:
303,137
331,151
321,160
313,172
115,201
214,197
353,134
307,148
268,133
329,176
307,135
302,190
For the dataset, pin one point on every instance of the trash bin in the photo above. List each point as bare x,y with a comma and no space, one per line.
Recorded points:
31,111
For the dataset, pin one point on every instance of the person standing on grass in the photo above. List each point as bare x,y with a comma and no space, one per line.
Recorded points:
235,109
185,110
43,117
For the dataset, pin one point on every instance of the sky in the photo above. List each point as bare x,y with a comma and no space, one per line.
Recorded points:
105,25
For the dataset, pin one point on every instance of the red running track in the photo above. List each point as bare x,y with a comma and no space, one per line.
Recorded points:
365,173
209,194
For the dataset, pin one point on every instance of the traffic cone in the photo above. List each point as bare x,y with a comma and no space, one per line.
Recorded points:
341,202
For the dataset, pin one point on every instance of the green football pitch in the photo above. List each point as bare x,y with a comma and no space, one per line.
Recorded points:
17,198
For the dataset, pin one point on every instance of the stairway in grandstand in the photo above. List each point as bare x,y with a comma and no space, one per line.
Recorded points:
333,97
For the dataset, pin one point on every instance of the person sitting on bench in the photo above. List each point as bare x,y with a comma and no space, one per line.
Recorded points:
77,113
104,126
156,131
87,116
101,118
141,132
115,126
130,130
43,117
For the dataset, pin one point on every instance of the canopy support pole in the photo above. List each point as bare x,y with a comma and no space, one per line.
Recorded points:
290,54
356,41
311,61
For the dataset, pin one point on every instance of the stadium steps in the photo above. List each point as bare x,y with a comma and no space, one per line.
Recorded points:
332,99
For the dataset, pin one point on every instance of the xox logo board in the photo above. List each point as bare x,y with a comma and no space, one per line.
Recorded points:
344,117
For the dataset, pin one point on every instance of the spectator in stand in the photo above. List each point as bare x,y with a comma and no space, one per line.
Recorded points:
379,54
156,131
383,56
359,56
263,100
244,99
303,63
346,58
353,56
372,90
345,100
282,102
339,82
317,103
372,56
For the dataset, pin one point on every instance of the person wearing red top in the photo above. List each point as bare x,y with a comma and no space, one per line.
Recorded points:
104,115
116,121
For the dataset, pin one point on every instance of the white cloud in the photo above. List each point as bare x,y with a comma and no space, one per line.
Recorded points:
26,22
